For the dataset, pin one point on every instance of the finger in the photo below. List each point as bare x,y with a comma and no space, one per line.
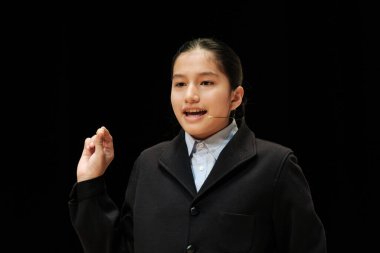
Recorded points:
87,142
91,142
101,130
106,134
87,146
98,138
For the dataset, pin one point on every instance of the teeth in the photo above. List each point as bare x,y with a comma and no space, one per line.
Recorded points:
194,110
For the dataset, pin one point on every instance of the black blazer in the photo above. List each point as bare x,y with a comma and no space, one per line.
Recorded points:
256,199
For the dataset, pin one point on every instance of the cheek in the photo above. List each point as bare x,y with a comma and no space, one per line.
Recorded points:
175,101
172,97
221,100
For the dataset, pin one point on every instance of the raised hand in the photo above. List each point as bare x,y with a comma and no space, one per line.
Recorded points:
98,153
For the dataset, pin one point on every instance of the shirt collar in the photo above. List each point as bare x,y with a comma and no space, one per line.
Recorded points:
215,142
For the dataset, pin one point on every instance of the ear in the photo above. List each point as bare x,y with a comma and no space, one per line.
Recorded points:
237,97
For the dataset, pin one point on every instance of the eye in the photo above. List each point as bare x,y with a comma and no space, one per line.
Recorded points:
179,84
206,83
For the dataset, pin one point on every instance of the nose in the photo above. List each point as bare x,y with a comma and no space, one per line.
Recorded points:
192,94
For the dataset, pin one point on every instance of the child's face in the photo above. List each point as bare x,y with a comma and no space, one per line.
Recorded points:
200,89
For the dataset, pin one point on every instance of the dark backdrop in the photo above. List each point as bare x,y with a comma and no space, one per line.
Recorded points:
310,71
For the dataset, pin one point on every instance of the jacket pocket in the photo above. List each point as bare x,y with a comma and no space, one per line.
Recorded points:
235,232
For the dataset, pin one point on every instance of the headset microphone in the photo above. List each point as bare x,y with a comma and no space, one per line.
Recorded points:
218,117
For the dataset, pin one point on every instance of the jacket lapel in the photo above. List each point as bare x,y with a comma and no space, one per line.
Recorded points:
175,160
237,151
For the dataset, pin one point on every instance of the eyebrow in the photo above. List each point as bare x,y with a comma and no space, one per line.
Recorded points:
208,73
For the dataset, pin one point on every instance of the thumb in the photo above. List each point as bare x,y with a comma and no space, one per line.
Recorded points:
99,140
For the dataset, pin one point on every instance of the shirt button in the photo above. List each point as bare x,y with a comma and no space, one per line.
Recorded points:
190,249
200,145
194,211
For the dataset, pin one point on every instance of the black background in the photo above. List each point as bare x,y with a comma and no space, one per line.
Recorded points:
310,76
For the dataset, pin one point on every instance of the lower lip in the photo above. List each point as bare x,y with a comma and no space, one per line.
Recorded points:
194,118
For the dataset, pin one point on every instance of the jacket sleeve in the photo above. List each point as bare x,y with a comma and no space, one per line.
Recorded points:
96,218
298,228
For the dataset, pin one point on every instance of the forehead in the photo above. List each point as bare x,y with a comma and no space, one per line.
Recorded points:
196,58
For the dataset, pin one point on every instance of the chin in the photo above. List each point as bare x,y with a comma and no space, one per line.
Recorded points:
200,135
192,131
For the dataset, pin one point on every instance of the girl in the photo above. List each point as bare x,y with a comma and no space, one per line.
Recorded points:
215,187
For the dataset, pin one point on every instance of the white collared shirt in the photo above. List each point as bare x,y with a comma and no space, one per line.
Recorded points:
204,153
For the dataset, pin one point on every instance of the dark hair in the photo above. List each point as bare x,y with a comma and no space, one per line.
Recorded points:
225,57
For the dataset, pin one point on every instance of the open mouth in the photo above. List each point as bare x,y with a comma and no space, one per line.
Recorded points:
197,112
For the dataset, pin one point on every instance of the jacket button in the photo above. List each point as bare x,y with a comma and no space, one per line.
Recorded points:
190,249
194,211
